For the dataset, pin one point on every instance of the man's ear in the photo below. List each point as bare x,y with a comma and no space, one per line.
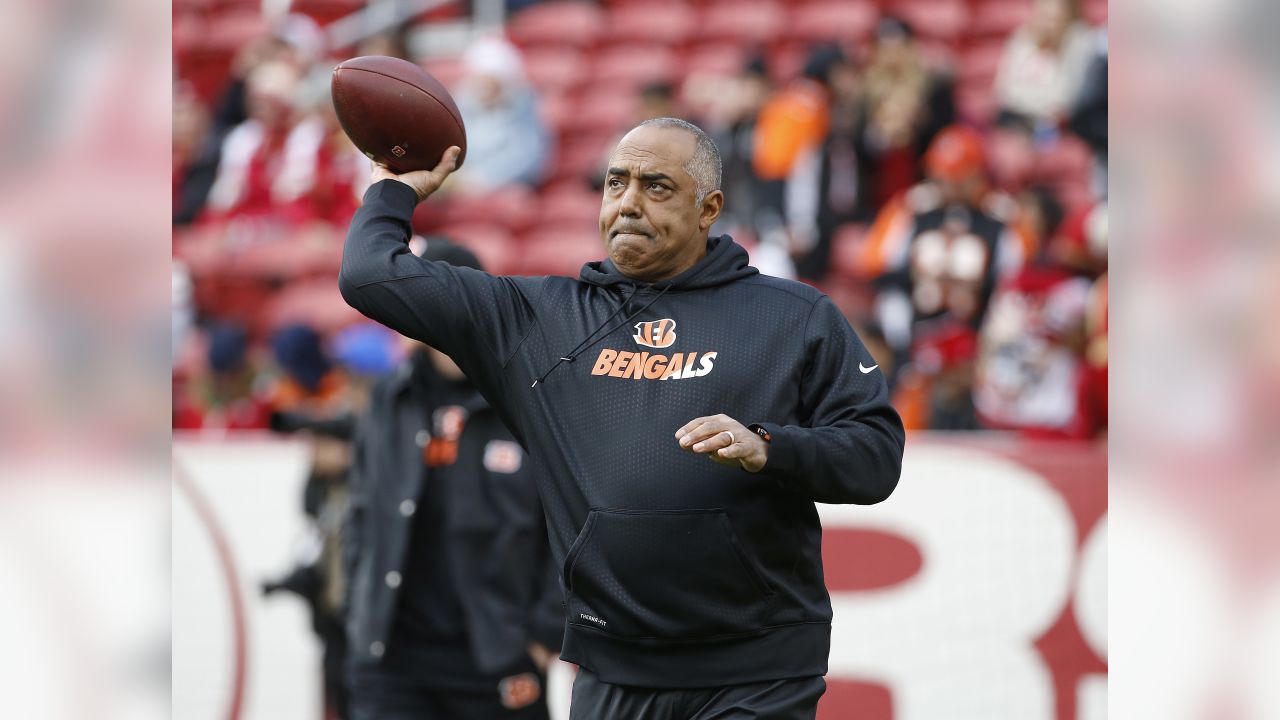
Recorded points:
712,204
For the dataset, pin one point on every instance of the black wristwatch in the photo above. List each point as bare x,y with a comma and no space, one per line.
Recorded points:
758,429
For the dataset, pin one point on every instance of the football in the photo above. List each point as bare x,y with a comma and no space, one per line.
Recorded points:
396,113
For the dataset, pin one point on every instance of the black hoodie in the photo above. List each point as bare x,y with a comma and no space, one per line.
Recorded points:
679,572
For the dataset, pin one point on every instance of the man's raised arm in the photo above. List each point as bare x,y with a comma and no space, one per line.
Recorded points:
475,318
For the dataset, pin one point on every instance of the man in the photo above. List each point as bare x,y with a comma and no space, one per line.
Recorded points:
692,588
453,600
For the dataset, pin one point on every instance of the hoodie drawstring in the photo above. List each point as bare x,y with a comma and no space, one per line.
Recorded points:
587,342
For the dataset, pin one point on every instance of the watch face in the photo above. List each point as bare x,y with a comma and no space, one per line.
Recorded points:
761,432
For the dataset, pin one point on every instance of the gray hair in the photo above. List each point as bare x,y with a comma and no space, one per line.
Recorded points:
704,164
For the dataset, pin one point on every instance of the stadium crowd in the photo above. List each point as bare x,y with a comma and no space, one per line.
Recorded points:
936,166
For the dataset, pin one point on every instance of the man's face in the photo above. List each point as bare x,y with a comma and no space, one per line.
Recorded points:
651,224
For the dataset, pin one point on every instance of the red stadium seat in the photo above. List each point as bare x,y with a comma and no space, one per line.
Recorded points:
511,207
753,21
633,65
670,24
944,20
560,22
228,32
832,20
583,157
577,207
555,70
603,108
493,245
557,250
998,18
313,302
1095,12
448,70
556,111
976,103
718,59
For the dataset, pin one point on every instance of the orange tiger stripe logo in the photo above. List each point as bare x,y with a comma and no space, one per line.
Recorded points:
656,333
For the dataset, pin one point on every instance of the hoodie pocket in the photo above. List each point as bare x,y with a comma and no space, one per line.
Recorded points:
663,574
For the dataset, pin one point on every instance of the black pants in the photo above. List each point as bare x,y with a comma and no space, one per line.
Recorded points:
385,698
795,699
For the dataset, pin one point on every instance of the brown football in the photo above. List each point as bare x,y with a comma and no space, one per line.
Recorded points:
396,113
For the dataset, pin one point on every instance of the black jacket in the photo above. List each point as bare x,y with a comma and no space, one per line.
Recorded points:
497,540
679,572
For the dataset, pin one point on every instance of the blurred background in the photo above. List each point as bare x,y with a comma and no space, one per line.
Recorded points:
938,167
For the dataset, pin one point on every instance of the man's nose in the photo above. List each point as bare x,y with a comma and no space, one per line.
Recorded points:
629,203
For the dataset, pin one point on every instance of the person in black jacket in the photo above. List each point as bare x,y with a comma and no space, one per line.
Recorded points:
682,412
454,607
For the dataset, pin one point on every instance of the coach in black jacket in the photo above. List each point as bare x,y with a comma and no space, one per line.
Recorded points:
454,606
682,412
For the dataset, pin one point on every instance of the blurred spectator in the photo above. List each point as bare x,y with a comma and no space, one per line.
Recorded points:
253,151
224,397
296,41
785,150
906,105
729,108
1042,368
1088,118
1043,65
938,252
322,175
314,397
827,186
190,127
392,43
507,142
454,603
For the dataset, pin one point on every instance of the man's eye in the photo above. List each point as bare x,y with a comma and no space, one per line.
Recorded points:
615,183
657,187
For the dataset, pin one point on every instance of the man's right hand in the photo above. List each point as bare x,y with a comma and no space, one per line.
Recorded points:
423,182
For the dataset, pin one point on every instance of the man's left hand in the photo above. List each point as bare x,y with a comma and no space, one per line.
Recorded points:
724,440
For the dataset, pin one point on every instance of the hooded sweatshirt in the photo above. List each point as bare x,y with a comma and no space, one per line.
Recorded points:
678,572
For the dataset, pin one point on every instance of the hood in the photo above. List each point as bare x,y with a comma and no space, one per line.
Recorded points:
724,262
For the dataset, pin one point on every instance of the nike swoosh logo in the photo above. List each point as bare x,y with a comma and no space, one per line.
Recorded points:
866,370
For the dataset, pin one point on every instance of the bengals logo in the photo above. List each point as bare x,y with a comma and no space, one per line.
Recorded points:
656,333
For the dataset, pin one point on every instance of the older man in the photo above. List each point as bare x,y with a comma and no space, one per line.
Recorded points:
692,588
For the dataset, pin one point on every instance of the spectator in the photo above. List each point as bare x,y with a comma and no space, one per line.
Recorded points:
939,250
657,100
322,175
454,602
1042,367
827,186
253,151
507,142
1043,66
296,41
225,397
906,105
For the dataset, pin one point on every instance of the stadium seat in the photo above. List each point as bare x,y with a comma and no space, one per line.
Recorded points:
448,70
832,20
753,21
944,20
602,108
976,104
560,22
671,24
998,18
230,31
716,59
316,303
555,250
555,70
583,158
556,111
578,206
492,244
633,65
979,63
511,207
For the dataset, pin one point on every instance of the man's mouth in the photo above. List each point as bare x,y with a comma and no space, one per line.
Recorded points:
628,231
